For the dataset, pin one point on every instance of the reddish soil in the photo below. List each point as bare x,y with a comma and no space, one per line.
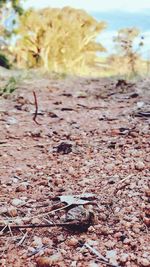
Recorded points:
93,136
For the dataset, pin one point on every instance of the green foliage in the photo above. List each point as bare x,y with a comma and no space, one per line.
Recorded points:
9,87
15,4
59,40
9,11
4,62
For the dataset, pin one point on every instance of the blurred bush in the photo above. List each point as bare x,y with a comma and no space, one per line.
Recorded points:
127,59
58,40
9,15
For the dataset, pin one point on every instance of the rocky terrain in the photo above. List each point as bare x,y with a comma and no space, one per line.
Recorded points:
75,173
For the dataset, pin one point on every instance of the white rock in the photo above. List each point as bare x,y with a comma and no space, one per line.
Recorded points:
3,210
112,256
124,257
139,165
143,262
17,202
11,120
140,104
93,264
73,264
37,242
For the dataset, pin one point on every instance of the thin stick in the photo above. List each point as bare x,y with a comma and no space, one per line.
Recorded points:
36,108
101,258
22,239
15,227
2,229
122,181
49,212
94,251
9,227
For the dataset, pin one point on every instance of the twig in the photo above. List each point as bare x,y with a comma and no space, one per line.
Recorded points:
26,226
122,181
37,250
22,239
49,212
36,108
9,227
101,258
94,251
3,142
2,229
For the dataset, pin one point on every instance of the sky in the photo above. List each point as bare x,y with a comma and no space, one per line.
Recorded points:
137,15
93,5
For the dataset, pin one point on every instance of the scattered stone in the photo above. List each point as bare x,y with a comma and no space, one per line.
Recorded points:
71,170
35,221
139,166
21,188
140,104
112,256
3,210
53,260
146,220
17,202
12,211
37,241
64,148
72,242
93,264
123,258
91,229
143,262
11,121
110,244
147,192
47,241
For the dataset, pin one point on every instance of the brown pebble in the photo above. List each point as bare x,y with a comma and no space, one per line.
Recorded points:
139,166
12,211
91,229
21,188
147,192
146,220
72,242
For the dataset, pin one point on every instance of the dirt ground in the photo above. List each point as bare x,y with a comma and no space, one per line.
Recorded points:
92,140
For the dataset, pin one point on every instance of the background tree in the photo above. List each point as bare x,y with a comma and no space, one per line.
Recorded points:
9,13
128,54
59,40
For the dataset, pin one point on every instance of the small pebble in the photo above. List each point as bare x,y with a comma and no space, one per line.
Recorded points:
35,221
143,262
21,188
139,166
91,229
72,242
12,211
17,202
123,258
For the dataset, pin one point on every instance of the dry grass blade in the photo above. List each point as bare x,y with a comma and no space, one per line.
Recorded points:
100,256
